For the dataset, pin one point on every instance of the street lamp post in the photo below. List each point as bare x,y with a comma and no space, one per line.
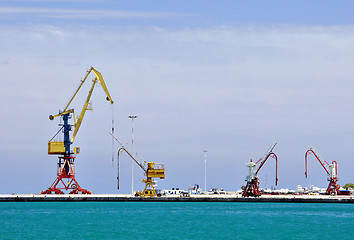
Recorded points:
205,155
132,117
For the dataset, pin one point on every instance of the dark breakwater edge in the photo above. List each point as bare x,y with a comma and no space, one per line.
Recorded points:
195,198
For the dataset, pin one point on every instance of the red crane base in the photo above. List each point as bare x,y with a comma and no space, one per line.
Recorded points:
333,188
66,176
252,189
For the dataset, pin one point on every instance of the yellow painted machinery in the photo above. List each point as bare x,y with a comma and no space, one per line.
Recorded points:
151,170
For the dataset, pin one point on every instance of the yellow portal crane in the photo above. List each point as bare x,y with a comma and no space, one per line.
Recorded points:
66,160
151,170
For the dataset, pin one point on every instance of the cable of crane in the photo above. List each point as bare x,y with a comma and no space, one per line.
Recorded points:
56,133
112,109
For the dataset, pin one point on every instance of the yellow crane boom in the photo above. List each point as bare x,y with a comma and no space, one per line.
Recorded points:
100,79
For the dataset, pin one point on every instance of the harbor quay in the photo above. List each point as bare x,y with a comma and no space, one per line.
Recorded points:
173,198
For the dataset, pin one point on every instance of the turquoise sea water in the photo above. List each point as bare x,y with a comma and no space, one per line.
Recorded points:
156,220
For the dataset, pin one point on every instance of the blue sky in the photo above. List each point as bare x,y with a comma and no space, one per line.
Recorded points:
184,13
232,77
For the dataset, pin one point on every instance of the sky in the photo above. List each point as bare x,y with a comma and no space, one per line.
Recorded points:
230,77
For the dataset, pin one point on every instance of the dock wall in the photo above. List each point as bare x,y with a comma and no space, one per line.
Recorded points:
173,198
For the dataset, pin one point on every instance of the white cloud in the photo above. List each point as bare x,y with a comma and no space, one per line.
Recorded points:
86,14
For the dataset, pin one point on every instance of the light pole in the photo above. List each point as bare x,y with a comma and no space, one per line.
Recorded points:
205,154
132,117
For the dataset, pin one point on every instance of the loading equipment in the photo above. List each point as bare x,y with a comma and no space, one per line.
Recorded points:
151,170
66,159
252,186
331,170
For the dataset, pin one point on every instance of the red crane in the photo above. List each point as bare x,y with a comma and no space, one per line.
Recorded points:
252,186
331,170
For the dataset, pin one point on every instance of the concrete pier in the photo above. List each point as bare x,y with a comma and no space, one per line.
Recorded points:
174,198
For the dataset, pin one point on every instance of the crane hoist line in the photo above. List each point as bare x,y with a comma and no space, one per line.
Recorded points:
66,159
